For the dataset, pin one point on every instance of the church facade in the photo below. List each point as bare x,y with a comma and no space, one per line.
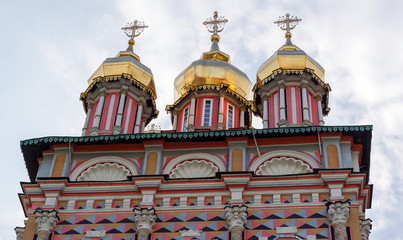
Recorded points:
213,176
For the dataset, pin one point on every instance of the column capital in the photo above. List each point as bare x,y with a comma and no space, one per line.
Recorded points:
19,231
175,112
124,90
102,91
303,84
144,218
222,92
281,84
45,221
365,227
236,216
141,102
90,104
193,95
265,95
318,97
338,212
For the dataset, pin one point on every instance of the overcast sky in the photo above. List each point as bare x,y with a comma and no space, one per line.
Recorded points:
49,49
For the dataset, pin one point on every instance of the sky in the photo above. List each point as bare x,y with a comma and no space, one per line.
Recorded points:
49,49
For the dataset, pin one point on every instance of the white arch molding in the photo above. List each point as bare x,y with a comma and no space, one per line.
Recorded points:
113,160
305,158
218,162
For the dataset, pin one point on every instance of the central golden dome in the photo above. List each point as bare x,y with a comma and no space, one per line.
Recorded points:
213,69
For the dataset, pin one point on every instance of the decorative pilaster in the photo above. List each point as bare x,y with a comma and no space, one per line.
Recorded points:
318,99
117,129
87,119
19,232
192,110
98,112
305,108
145,220
220,124
365,226
175,122
242,117
339,213
236,218
45,223
265,97
140,104
283,119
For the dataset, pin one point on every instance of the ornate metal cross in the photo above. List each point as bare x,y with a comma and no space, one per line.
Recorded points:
134,29
215,24
287,23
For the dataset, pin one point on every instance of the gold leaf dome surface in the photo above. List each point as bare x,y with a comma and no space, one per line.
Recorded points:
126,63
213,69
289,57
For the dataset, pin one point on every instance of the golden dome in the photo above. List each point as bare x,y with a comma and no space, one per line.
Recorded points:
213,69
290,57
126,63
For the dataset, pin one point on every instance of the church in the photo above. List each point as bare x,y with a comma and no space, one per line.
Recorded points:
213,175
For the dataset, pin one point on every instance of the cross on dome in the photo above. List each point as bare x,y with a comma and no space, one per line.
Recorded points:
215,25
287,23
133,30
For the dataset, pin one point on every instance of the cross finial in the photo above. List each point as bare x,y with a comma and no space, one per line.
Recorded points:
287,23
215,25
132,30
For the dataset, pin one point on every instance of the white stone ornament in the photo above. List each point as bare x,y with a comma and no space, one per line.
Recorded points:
339,212
283,166
144,218
194,169
365,226
105,172
45,220
190,233
19,231
95,234
236,216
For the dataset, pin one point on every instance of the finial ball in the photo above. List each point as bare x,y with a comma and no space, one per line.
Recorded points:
215,37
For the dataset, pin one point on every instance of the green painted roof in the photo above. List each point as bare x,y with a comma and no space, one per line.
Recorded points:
189,135
32,149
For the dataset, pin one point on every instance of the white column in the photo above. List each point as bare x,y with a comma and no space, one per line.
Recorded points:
236,218
220,124
283,119
140,104
365,227
241,117
87,119
19,231
110,112
145,220
143,123
175,123
119,114
265,97
305,108
191,125
338,213
45,222
98,112
320,115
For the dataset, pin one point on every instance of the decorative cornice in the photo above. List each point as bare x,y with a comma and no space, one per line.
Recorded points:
223,133
236,216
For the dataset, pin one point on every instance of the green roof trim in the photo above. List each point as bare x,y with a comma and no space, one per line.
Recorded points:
185,135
